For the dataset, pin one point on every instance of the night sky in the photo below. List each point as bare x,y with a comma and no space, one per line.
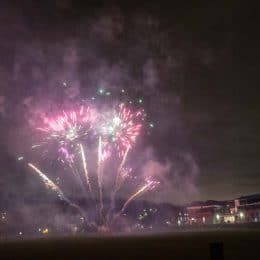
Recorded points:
195,65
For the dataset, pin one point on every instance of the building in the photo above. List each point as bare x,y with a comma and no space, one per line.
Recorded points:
248,207
203,212
241,210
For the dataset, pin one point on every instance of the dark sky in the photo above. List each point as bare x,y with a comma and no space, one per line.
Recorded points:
196,65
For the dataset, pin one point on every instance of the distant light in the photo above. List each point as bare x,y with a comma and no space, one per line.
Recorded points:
20,158
108,93
140,101
64,84
218,217
179,222
20,233
122,90
241,214
75,229
101,91
45,231
93,98
151,125
35,145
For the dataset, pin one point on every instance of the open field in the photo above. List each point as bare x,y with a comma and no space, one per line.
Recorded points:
236,244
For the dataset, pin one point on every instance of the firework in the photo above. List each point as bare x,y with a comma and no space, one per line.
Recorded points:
122,173
70,125
114,134
150,184
51,185
122,128
100,174
84,162
67,130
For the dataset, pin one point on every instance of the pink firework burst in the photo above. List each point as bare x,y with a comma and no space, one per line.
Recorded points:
69,126
122,128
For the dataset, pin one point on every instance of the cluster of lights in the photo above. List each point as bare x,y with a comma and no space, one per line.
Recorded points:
43,231
167,222
3,215
146,212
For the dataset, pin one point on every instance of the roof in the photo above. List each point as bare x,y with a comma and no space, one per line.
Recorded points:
211,203
250,206
249,199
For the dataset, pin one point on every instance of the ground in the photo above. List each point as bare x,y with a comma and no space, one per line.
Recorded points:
232,244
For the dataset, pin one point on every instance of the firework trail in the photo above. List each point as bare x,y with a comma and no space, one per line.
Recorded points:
120,171
84,162
48,183
148,186
51,185
77,176
100,174
121,175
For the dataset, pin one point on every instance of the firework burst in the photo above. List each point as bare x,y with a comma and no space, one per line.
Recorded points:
121,128
113,134
69,126
67,130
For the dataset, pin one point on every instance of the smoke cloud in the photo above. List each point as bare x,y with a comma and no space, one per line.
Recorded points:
48,66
